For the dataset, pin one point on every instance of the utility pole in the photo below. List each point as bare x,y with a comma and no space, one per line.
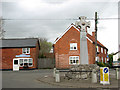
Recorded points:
2,32
96,35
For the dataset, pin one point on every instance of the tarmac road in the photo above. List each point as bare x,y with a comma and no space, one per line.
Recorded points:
25,79
28,79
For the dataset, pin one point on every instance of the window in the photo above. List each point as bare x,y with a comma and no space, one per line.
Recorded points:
105,60
26,50
105,51
30,62
73,46
101,50
97,58
15,61
21,62
74,60
97,49
102,59
26,61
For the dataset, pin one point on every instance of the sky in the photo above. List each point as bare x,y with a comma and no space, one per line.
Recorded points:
50,18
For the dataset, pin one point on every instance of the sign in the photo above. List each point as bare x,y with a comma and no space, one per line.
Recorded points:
22,55
104,75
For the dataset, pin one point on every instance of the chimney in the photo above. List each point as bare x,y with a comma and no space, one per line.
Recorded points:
93,34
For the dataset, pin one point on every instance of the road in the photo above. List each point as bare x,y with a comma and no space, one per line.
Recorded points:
28,79
25,79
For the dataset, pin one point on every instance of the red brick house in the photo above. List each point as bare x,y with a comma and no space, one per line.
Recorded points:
67,48
24,50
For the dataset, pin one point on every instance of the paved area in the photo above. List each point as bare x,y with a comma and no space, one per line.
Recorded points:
43,79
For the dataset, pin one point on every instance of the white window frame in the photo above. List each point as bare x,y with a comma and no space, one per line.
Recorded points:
71,58
73,45
102,59
105,60
97,49
27,62
101,50
98,59
26,51
105,51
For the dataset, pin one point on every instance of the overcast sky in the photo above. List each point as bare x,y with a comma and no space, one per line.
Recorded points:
50,18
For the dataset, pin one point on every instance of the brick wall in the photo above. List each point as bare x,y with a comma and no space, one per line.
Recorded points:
62,49
9,54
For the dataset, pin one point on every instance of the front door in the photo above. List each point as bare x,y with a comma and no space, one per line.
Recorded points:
15,64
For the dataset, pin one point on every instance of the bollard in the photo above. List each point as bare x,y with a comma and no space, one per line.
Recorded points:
57,76
117,74
54,70
94,76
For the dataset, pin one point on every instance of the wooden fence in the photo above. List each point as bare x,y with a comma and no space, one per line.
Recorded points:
46,63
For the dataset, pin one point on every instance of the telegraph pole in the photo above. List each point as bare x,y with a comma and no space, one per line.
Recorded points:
96,35
2,32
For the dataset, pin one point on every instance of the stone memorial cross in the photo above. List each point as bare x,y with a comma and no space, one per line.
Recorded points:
83,24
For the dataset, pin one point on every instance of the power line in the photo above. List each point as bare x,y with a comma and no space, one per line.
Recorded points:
65,19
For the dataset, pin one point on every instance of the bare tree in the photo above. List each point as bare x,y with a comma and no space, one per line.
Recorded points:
2,32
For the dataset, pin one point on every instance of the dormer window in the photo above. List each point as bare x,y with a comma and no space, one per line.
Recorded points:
73,46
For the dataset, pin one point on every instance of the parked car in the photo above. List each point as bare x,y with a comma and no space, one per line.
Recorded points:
116,64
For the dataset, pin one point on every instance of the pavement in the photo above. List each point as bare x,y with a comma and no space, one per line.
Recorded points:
49,79
43,78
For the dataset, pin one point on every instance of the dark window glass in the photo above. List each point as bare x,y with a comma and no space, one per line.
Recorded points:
74,47
30,63
21,64
15,61
73,61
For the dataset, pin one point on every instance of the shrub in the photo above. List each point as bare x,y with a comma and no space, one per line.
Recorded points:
100,64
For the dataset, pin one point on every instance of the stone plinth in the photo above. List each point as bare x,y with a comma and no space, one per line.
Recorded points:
81,75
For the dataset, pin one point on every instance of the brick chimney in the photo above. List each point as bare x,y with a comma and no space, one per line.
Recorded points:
93,34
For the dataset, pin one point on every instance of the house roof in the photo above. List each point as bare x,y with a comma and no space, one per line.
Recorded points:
18,43
89,37
93,39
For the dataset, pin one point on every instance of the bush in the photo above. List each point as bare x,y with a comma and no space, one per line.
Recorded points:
100,64
42,56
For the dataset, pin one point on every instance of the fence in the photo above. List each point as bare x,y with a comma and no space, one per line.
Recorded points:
46,63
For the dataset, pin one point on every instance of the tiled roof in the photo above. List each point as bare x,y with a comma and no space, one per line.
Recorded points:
88,35
17,43
93,39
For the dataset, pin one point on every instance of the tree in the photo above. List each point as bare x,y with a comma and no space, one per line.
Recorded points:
110,58
45,47
118,59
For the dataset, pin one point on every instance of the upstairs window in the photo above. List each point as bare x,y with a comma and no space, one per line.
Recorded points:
105,51
97,49
26,50
101,50
73,46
